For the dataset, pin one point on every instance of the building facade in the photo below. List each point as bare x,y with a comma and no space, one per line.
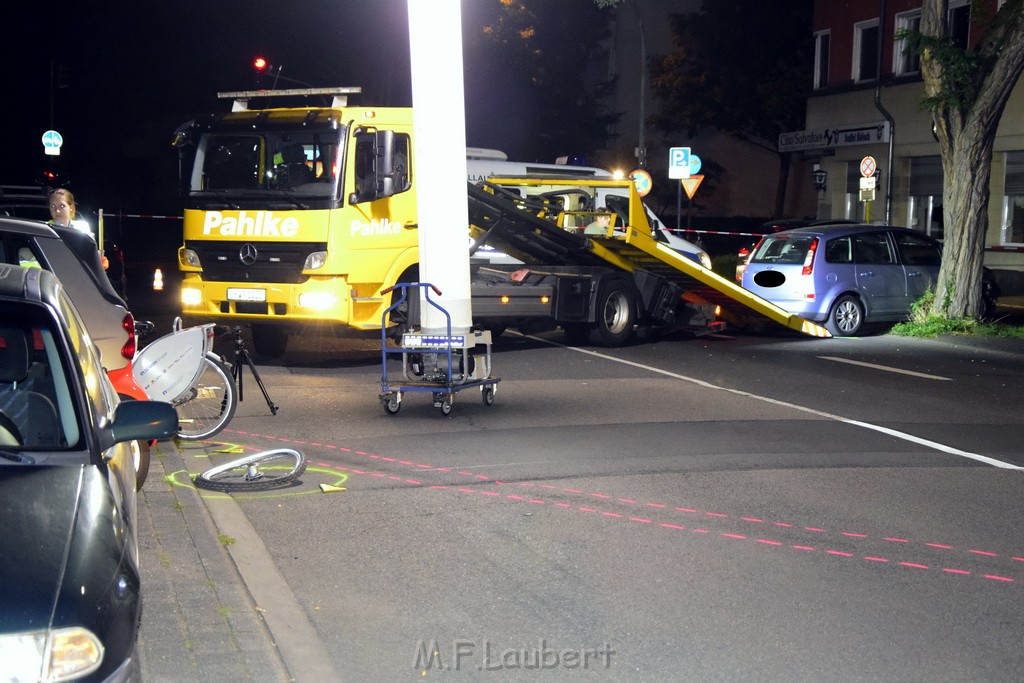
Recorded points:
864,120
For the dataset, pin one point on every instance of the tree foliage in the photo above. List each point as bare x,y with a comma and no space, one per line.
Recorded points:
533,77
742,67
966,91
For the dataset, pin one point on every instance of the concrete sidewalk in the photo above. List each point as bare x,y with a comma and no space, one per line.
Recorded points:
199,622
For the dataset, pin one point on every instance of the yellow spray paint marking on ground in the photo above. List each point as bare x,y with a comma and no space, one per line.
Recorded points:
183,479
229,448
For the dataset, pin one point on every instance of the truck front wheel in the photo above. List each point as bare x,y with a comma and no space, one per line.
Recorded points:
270,341
614,314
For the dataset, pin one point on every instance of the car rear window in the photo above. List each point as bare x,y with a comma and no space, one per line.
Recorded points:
783,249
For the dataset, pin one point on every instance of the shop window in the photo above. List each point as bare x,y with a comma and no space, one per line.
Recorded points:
1013,199
925,210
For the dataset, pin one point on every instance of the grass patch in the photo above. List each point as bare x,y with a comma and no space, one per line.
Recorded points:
225,539
922,323
933,326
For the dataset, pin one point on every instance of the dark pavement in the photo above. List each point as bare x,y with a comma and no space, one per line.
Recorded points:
201,620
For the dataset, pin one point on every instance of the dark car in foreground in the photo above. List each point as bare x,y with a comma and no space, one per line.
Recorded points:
70,567
846,275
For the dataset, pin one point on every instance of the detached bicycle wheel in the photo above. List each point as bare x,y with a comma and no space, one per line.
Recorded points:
210,404
258,472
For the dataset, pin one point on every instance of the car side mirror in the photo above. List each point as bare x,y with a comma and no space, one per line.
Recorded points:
143,420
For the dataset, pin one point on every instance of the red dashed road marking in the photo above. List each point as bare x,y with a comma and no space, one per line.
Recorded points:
422,466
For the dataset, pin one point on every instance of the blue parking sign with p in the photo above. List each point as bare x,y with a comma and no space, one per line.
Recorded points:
679,162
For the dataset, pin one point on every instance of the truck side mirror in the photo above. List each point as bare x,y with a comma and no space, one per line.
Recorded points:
365,168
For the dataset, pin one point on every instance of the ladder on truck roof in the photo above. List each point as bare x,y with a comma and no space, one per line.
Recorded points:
498,219
241,98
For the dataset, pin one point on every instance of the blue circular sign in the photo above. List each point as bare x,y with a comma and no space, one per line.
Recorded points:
694,164
52,140
642,181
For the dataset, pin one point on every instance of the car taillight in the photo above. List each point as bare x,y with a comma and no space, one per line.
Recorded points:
128,323
809,258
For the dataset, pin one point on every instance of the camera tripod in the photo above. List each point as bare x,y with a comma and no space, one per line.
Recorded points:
242,358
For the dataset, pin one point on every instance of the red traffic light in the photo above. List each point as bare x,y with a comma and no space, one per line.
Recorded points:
260,64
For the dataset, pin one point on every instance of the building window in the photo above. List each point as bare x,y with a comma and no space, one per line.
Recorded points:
959,22
925,211
904,61
1013,199
822,40
865,51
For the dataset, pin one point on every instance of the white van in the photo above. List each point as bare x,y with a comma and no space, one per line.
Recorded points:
482,164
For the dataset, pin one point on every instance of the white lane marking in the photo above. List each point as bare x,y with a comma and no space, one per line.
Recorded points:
804,409
886,368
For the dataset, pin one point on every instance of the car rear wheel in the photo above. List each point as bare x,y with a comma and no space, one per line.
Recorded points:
846,318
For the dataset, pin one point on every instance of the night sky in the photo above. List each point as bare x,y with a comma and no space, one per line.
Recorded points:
127,74
133,72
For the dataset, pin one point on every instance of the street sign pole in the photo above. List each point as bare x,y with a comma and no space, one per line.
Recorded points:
679,205
868,166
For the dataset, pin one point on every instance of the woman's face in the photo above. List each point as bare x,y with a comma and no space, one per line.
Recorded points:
60,212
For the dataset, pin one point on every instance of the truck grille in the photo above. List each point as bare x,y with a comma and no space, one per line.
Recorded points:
272,262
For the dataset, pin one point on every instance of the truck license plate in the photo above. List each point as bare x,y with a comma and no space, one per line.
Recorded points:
239,294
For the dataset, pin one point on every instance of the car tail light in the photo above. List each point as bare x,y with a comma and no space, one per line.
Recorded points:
809,258
128,323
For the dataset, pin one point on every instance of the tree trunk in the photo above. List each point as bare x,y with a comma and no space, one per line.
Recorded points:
965,125
965,199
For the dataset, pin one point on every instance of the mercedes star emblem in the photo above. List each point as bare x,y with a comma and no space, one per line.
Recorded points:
247,254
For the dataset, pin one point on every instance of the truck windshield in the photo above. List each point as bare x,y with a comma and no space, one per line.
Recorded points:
298,163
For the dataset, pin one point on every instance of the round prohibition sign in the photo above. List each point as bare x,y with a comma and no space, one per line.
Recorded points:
643,182
867,167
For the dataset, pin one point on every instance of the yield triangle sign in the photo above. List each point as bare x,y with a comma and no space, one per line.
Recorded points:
691,184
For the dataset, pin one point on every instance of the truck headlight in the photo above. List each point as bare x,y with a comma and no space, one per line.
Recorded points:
188,257
705,260
315,260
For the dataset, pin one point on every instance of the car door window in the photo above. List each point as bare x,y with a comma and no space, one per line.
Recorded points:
918,250
873,248
21,252
839,250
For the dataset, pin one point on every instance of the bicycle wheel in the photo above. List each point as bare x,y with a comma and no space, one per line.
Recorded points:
210,404
258,472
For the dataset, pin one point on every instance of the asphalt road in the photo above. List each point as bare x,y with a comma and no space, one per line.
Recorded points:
736,507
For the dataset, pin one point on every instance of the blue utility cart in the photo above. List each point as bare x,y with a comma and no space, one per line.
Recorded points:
441,364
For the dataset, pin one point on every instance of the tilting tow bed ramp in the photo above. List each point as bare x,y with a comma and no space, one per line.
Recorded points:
498,219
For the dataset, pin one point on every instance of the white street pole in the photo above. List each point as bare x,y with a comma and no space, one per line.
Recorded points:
439,122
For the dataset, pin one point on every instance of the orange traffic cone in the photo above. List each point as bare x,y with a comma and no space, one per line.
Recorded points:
158,280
